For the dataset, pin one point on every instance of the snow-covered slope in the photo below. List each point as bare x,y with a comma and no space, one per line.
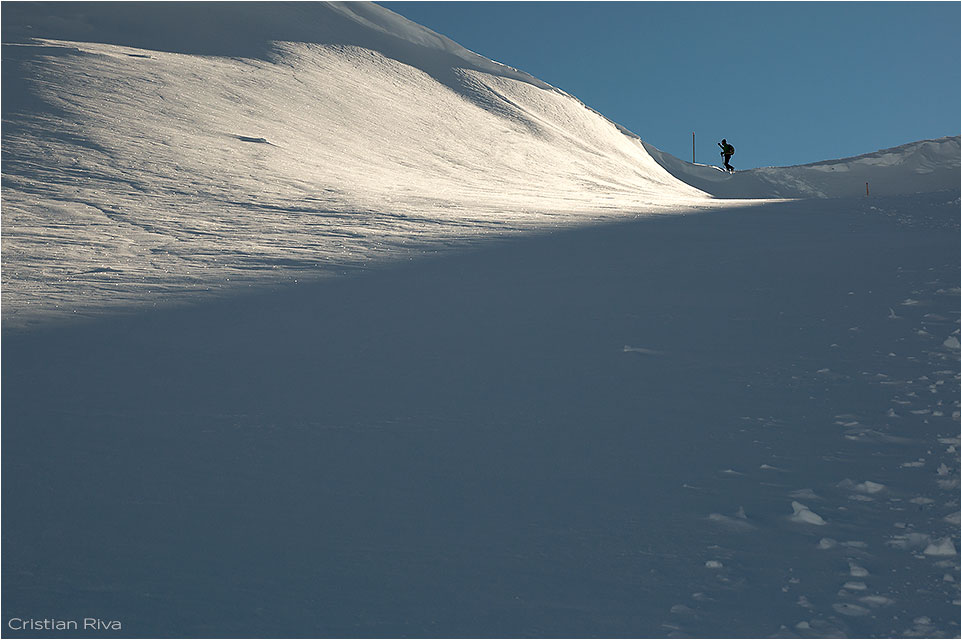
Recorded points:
917,167
739,422
153,148
742,425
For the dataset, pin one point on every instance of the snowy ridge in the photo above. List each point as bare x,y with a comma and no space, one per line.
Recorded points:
917,167
230,142
245,30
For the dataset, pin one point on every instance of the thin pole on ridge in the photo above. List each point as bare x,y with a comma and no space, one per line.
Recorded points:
693,147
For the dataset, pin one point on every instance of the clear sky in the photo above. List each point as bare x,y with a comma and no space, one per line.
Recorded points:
785,82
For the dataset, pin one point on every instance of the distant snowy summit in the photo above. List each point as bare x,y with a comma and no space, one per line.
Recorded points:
918,167
244,30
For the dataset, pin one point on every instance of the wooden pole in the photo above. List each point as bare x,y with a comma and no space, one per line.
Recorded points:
866,189
693,147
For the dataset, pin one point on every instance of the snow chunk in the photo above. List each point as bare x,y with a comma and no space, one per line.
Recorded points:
848,609
805,515
868,486
855,544
736,523
876,601
949,482
943,547
910,541
642,350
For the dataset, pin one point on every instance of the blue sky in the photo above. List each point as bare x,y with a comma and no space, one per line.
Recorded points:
785,82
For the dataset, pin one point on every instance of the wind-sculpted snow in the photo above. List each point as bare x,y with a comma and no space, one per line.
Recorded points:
137,175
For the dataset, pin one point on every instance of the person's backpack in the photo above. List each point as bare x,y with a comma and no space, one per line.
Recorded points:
730,150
